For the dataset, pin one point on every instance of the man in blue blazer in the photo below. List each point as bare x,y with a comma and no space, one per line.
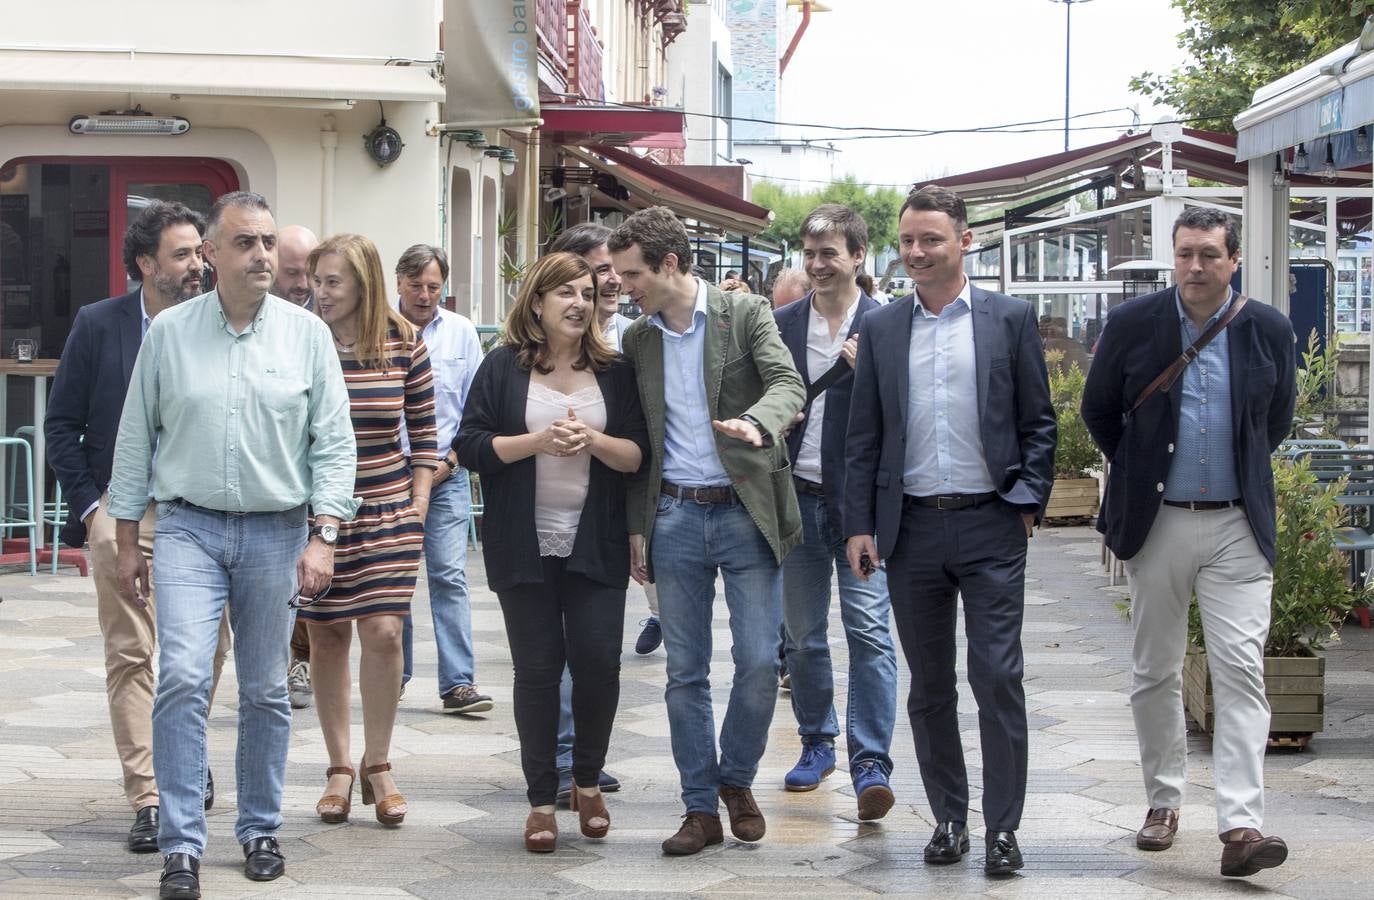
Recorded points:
162,250
1190,509
951,459
821,331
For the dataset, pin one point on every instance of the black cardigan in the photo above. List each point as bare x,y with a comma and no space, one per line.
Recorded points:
510,546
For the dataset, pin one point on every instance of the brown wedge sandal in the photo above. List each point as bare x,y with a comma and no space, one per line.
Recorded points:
588,808
332,808
540,823
387,806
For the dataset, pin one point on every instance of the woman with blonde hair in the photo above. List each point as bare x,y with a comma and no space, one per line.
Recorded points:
553,426
377,556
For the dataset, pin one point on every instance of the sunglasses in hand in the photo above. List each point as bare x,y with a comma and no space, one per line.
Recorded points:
301,600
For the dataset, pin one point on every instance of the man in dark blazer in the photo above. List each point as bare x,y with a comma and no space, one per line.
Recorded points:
1190,509
162,250
822,333
951,459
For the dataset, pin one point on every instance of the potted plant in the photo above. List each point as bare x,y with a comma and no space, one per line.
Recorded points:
1075,491
1312,597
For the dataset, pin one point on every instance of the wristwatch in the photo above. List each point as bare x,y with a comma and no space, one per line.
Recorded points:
763,432
452,464
327,533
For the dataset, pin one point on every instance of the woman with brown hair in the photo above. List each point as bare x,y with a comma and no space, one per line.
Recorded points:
553,426
377,556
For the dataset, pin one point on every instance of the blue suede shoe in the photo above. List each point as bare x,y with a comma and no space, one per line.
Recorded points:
650,637
872,790
817,761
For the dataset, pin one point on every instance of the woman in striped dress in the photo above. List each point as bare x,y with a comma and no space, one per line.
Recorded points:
386,368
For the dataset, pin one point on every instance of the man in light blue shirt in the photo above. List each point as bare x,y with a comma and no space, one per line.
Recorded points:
236,420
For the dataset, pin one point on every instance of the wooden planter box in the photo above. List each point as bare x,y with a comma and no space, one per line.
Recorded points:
1294,685
1072,497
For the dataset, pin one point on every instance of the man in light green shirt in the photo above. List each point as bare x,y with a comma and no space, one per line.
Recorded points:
236,419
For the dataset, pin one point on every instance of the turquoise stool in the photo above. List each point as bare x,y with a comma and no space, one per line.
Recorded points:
11,521
475,511
15,502
55,515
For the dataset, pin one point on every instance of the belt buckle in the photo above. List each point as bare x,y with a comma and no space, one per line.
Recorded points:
940,502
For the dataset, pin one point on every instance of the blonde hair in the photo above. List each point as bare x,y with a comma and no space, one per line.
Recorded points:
525,332
376,318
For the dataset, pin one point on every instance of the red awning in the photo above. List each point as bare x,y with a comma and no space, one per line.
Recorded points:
617,125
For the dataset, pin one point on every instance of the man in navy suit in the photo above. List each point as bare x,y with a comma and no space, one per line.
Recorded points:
1190,509
822,333
162,250
951,459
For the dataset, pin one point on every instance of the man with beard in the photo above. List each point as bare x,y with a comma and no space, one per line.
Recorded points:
162,250
293,278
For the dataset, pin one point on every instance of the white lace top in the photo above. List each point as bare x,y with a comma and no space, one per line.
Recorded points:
560,482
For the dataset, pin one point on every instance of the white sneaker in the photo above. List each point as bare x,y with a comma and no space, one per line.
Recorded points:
298,684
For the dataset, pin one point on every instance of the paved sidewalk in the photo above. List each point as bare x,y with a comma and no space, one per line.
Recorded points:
63,818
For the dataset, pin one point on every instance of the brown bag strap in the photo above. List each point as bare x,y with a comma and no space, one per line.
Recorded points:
1168,376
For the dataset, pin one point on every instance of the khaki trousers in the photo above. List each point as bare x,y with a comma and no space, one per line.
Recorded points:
130,648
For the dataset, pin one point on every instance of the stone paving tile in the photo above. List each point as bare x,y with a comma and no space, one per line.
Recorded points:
63,830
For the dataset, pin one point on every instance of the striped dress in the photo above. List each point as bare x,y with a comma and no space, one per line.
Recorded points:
377,557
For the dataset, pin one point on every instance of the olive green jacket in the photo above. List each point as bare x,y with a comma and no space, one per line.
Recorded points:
749,371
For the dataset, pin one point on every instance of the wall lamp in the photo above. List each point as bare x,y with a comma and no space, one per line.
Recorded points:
476,141
134,123
505,155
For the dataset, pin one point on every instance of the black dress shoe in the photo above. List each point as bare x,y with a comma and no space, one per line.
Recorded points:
143,836
209,789
180,877
948,844
1004,857
262,859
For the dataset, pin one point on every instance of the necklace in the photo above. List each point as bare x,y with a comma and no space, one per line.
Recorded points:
340,344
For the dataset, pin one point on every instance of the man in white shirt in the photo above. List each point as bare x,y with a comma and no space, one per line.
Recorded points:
455,352
821,331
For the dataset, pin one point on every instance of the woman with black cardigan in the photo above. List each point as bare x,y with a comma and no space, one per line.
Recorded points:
553,426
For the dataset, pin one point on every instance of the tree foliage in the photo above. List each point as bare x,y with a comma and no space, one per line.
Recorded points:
1238,46
878,206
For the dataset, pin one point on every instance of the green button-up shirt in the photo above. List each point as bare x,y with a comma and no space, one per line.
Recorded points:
251,422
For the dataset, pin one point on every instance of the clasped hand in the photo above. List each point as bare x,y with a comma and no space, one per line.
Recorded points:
566,437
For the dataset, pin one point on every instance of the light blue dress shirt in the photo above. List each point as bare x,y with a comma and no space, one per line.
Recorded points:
689,441
1204,465
455,352
944,446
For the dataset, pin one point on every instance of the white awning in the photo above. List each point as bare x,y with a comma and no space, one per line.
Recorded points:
1330,95
216,77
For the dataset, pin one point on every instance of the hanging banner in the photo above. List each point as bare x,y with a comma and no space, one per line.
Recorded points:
491,64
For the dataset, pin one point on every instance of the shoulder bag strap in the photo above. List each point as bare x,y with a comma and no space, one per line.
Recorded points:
1168,376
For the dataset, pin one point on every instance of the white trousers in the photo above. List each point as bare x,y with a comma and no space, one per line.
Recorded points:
1213,554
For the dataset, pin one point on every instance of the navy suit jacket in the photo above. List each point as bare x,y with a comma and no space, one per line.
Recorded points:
1140,340
794,321
1015,415
87,399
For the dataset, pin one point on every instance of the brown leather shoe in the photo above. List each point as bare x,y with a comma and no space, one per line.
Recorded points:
1246,851
1158,831
698,830
746,822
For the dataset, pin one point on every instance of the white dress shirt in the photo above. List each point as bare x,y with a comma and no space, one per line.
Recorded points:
821,353
455,352
615,331
689,444
944,446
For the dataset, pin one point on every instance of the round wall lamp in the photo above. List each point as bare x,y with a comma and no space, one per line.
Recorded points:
505,155
383,144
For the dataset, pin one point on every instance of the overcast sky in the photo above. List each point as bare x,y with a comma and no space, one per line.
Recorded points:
939,64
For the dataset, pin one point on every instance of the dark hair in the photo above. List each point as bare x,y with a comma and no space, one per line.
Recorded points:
865,282
657,232
581,239
144,236
237,200
525,332
934,198
835,218
1204,218
418,257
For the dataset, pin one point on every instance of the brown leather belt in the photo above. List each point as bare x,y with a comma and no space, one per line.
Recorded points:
808,487
952,501
724,494
1200,505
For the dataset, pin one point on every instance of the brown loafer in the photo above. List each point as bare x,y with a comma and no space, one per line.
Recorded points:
698,830
746,822
1246,851
1158,831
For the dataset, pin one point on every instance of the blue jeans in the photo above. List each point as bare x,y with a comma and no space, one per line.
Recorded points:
446,559
864,611
205,560
691,543
567,733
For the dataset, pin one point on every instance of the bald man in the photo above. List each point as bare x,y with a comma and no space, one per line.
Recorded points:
294,243
790,286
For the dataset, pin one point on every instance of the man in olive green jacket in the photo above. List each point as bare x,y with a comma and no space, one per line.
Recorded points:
718,389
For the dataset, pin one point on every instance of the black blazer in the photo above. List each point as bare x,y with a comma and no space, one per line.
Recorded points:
1015,415
510,547
86,401
1141,338
794,320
